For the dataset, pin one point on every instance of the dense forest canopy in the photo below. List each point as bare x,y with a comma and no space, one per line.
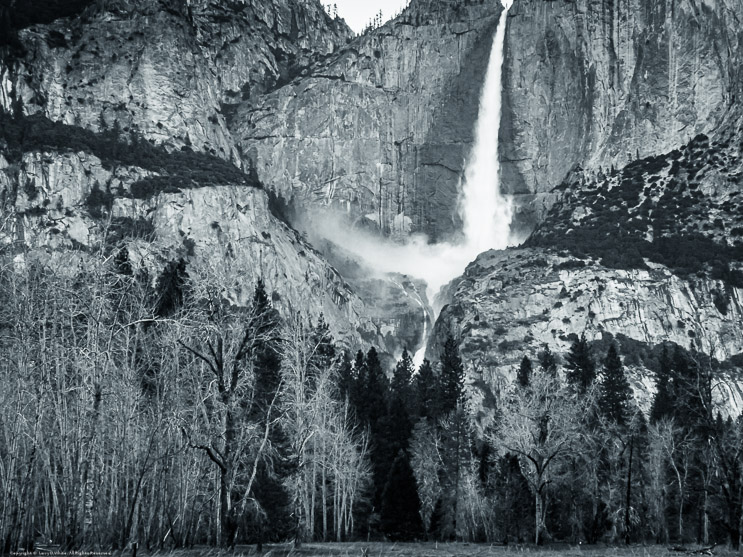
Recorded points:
154,409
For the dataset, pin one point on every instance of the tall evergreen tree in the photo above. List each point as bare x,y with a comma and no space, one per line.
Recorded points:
663,404
455,433
399,424
373,413
452,377
345,377
170,288
400,512
324,352
548,361
402,377
266,351
581,369
523,376
399,504
270,492
615,392
426,386
358,388
376,389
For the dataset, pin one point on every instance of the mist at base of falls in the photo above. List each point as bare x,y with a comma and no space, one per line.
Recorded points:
486,213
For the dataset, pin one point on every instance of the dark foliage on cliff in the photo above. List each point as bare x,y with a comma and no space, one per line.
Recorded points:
24,13
683,209
175,170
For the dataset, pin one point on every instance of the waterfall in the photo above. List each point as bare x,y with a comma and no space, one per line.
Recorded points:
486,213
420,355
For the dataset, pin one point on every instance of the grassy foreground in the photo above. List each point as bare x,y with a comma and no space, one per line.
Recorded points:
433,549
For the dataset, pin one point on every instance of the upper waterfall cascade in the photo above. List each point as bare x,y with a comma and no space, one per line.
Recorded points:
485,211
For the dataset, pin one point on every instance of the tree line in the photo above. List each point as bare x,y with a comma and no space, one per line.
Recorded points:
159,411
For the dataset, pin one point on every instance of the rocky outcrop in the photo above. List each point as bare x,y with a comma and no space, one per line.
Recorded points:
58,203
645,255
53,203
172,72
379,126
397,304
165,69
511,303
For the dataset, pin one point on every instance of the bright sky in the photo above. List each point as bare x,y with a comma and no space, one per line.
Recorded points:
358,13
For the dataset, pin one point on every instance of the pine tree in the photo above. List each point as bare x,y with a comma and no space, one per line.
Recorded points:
402,377
270,491
170,288
373,408
399,423
358,388
452,377
663,401
581,369
266,352
345,377
426,386
400,513
523,376
323,354
548,362
615,392
377,388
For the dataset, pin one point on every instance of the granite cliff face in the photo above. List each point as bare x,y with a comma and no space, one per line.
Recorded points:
383,129
169,73
380,126
54,207
645,255
601,83
164,69
53,204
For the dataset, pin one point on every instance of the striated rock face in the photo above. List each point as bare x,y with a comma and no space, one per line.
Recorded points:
683,209
173,72
380,126
383,129
510,304
166,69
600,83
228,229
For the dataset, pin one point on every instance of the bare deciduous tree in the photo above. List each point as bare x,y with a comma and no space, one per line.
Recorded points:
332,469
538,425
